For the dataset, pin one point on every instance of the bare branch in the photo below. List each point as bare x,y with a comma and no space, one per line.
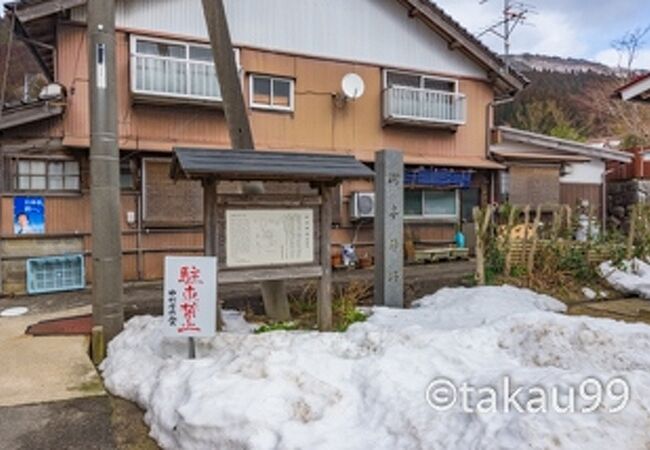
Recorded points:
628,47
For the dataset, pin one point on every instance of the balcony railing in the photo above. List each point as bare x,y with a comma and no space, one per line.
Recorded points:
169,77
424,106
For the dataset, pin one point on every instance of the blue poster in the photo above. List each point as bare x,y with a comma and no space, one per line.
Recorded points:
29,215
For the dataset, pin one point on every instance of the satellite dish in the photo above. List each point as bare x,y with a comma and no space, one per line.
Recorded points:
353,86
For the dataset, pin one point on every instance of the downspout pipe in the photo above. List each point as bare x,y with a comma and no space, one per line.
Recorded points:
489,124
603,206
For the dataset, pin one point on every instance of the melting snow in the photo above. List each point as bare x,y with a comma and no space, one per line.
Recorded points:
365,388
632,278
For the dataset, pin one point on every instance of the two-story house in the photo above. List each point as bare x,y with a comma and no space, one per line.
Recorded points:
429,91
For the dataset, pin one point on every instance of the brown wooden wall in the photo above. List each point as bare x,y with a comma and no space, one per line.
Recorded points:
574,194
316,125
69,217
639,168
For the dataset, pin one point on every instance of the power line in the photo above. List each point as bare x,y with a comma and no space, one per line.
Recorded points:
514,13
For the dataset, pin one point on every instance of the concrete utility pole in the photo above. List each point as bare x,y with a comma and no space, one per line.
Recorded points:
108,310
276,303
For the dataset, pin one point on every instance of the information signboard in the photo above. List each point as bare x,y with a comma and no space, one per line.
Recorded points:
268,237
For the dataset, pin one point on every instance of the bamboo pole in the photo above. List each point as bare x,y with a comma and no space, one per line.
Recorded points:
531,256
629,252
589,221
507,267
569,220
481,223
480,255
524,246
558,213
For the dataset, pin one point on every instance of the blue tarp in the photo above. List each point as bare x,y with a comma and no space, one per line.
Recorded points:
438,178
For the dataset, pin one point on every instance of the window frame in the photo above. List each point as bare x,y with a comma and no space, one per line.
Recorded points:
271,107
133,53
434,217
422,77
14,181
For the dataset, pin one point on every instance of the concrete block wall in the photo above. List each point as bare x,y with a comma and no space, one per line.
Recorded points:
15,252
621,198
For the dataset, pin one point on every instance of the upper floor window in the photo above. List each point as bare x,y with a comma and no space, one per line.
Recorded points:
422,99
46,175
404,79
271,93
173,69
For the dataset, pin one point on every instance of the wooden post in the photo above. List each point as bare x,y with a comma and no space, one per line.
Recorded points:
239,128
531,256
629,251
97,344
223,54
507,266
211,229
324,311
480,263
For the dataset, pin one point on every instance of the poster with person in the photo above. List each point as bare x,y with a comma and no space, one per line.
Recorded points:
29,215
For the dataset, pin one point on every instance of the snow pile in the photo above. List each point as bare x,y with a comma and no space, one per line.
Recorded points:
365,388
589,293
633,277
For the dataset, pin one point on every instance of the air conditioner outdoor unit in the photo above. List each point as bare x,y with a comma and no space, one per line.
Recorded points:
362,205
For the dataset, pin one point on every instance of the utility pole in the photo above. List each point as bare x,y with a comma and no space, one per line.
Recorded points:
513,15
108,310
506,32
274,293
7,61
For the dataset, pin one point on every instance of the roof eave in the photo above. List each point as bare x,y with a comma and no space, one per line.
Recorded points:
511,81
528,137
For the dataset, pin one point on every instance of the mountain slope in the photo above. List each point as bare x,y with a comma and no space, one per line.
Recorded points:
572,98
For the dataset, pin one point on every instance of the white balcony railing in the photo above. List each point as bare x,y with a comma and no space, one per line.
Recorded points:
404,104
169,77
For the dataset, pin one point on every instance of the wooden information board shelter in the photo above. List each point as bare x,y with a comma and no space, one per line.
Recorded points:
269,237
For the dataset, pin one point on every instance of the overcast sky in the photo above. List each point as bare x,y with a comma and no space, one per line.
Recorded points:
577,28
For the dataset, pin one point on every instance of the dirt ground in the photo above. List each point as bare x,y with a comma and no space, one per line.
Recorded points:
146,298
106,422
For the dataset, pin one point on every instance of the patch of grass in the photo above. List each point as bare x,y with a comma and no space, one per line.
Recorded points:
277,326
345,312
94,385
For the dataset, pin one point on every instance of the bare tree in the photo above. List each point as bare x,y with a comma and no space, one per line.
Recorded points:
628,121
628,47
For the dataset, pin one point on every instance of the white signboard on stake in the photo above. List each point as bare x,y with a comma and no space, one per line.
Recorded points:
266,237
190,296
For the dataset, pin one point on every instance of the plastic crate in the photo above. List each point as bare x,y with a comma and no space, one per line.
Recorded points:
55,274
